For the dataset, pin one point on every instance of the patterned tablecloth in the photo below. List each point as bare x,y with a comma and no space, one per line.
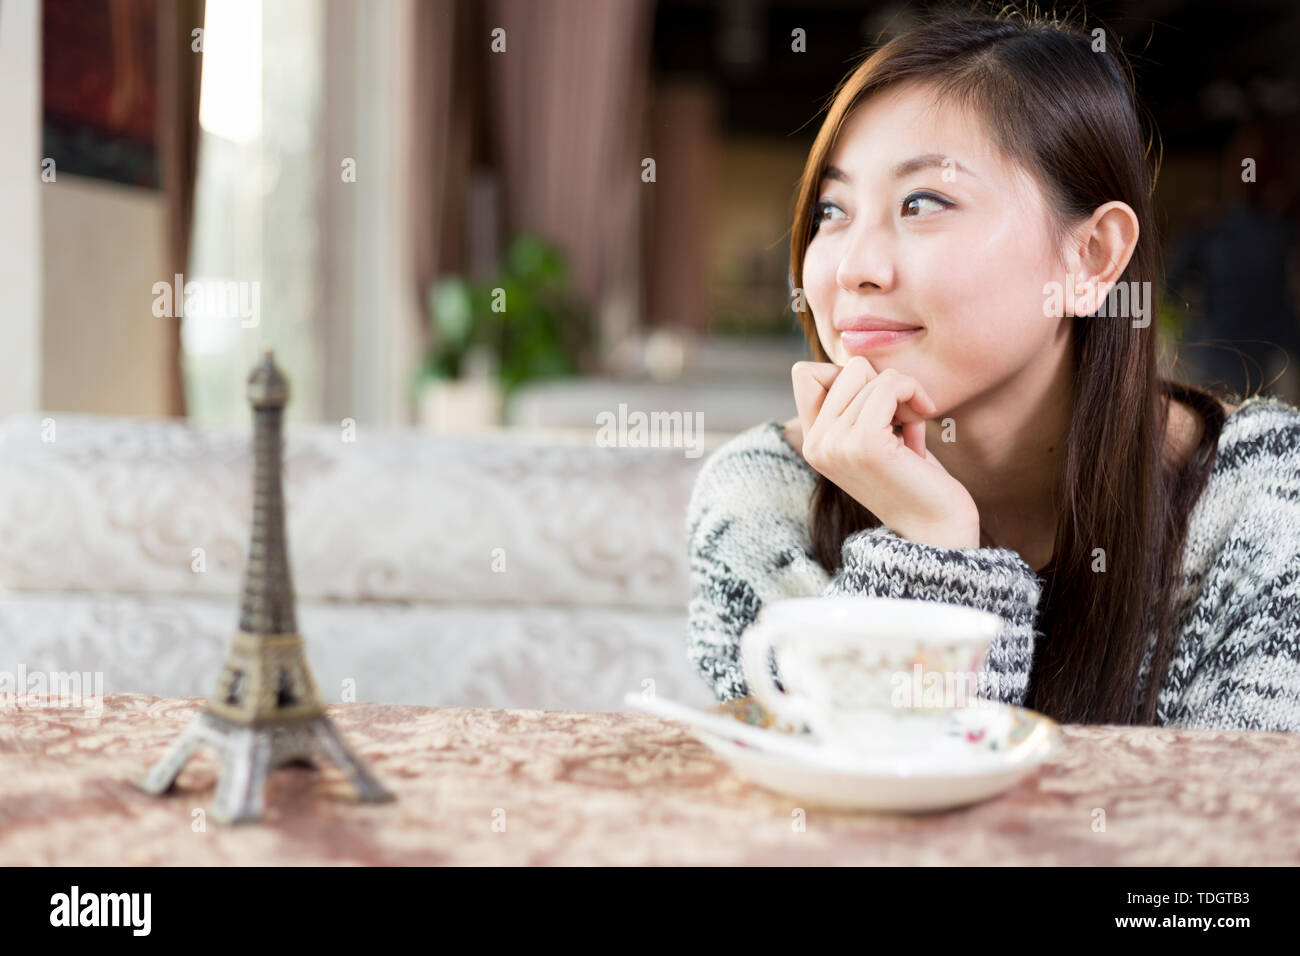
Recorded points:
593,788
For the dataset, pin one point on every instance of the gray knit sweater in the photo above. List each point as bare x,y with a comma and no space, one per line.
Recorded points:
1236,664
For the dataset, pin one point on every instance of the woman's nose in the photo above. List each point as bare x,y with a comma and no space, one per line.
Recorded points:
867,261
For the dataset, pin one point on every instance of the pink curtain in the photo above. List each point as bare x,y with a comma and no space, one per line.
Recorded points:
179,70
684,141
442,134
566,106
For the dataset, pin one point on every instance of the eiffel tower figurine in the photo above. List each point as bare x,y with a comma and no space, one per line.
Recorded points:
265,711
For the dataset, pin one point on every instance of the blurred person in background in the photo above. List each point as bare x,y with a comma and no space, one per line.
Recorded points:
1242,263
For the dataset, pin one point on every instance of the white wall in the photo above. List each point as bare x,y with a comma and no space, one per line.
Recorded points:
78,259
20,223
104,248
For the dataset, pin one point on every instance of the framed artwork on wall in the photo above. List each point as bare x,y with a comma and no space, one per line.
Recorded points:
100,89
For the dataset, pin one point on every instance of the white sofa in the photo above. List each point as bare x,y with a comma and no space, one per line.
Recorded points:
507,569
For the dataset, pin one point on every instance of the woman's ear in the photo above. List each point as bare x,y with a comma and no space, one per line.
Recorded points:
1099,253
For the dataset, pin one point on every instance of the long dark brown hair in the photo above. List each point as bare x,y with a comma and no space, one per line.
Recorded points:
1069,114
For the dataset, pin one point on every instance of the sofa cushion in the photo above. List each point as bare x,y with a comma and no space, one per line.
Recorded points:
548,658
162,507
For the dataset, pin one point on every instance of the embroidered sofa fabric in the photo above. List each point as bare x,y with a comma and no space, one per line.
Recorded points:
499,570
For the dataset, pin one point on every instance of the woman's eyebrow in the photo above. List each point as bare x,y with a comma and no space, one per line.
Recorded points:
906,167
927,161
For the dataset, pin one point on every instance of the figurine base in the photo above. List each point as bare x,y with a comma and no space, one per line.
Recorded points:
249,753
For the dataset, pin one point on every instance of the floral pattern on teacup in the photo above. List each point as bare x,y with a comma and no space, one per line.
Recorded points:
984,728
992,730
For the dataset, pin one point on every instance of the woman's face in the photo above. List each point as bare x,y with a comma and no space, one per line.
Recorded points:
921,221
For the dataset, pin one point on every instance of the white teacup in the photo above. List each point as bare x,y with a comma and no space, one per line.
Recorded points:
867,675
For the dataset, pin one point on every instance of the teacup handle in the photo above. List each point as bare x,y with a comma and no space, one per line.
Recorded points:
755,646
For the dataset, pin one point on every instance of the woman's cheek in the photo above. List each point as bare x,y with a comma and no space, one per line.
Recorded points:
819,297
988,347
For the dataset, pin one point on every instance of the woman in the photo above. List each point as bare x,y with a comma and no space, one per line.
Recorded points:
983,423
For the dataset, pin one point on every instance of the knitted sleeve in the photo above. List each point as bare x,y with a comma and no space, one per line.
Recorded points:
1237,662
748,544
878,563
1248,676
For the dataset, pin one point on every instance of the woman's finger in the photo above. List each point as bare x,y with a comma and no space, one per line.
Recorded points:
914,437
920,409
892,397
811,380
854,408
856,373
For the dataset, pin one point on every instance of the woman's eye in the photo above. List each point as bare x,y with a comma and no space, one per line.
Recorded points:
915,198
823,207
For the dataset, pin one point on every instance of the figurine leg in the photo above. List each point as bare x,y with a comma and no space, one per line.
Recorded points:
241,789
331,744
161,777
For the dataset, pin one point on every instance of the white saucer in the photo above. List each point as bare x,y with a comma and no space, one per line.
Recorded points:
983,751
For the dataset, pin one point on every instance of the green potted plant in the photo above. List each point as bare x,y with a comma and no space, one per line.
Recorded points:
492,335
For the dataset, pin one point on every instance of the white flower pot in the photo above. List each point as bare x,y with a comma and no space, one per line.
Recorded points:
460,405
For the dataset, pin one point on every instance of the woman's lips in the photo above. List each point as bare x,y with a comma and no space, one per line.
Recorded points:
860,341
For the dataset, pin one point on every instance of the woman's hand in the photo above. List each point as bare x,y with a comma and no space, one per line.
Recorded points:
848,417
